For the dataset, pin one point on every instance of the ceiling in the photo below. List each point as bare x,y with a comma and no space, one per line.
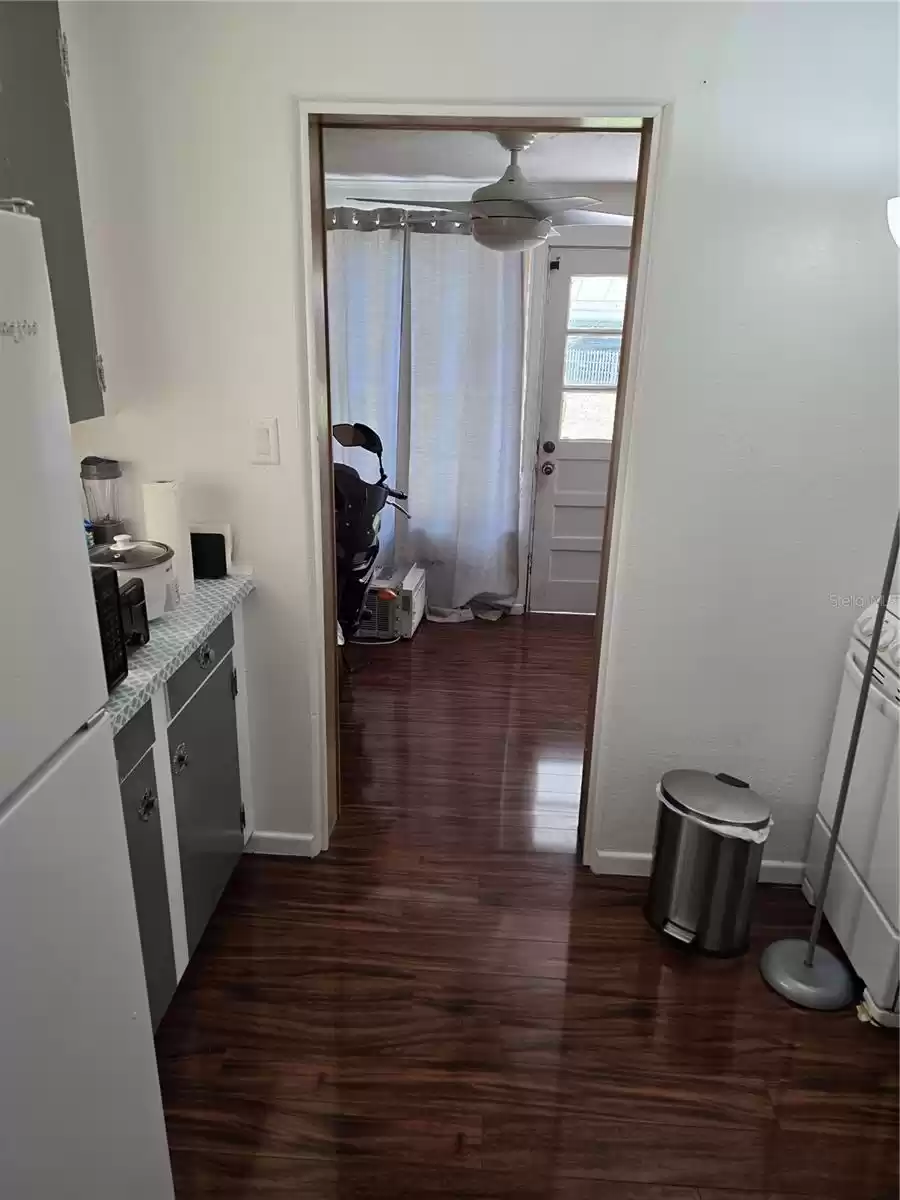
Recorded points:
449,164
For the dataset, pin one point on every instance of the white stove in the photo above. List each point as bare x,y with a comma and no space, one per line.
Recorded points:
863,904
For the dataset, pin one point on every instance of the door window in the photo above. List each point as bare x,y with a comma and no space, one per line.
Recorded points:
596,314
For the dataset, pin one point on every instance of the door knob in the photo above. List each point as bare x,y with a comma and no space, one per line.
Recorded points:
549,447
205,655
547,468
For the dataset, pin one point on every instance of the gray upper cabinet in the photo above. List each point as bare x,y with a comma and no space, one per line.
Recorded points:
37,162
206,776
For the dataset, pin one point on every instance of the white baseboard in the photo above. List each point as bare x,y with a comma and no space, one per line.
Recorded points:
622,862
774,870
297,845
637,864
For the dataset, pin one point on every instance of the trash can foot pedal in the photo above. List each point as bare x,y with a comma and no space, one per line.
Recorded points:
679,932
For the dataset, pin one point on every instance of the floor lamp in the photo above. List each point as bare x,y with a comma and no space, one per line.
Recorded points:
803,971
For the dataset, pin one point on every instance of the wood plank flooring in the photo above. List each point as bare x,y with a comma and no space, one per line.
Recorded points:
444,1006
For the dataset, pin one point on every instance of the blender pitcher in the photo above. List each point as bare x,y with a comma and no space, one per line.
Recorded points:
100,480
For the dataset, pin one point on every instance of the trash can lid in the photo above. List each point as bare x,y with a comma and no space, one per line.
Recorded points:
719,798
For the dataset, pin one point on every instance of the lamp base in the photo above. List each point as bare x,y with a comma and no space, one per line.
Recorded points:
826,985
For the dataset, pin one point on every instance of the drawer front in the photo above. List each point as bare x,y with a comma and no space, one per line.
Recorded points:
206,779
134,740
148,875
199,666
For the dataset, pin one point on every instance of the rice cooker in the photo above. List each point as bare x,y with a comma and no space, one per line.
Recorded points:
151,562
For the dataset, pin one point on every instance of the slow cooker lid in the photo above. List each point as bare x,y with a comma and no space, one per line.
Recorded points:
713,798
128,555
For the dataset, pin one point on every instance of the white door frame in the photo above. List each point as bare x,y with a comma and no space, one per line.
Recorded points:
312,400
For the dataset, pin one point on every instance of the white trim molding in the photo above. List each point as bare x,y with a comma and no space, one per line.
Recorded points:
288,845
168,821
314,373
638,282
242,713
626,115
776,870
638,864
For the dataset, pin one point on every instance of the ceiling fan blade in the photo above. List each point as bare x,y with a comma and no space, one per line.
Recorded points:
569,200
461,206
579,216
548,205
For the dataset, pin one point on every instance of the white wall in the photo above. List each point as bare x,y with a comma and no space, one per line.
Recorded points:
769,359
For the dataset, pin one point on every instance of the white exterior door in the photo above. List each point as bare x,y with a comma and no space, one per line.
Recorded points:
582,343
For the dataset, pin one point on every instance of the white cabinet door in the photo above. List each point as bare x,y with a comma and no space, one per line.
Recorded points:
51,668
79,1090
582,341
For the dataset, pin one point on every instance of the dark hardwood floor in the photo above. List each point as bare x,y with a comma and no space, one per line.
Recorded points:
445,1006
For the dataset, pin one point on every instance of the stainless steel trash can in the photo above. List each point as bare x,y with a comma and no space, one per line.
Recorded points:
710,834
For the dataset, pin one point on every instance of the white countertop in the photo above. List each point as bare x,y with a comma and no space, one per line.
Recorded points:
173,639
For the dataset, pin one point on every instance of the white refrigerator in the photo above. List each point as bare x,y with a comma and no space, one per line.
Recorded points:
79,1089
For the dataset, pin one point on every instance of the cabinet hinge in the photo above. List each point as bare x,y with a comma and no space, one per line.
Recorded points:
243,818
101,371
234,684
63,42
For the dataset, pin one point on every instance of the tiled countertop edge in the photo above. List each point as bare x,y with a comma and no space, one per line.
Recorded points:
173,639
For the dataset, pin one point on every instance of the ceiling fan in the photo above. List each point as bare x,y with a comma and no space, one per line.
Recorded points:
513,214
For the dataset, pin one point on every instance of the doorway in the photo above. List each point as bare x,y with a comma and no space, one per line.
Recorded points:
556,770
583,327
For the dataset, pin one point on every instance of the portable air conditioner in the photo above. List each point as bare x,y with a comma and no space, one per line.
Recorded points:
385,618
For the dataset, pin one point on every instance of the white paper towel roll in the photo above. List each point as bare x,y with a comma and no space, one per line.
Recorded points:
164,521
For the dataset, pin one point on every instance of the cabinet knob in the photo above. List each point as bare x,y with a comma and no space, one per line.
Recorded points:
147,805
180,758
206,655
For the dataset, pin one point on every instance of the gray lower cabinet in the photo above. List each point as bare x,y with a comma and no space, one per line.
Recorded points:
204,752
148,873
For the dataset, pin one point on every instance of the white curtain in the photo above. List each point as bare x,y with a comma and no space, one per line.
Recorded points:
466,415
443,387
365,305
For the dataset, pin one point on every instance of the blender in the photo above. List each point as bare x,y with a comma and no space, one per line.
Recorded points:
100,480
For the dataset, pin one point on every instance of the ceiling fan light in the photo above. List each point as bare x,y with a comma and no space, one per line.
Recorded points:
511,234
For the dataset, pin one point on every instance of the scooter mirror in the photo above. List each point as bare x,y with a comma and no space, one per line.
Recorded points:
368,439
346,435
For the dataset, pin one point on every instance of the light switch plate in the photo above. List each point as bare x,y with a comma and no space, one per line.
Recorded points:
265,449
